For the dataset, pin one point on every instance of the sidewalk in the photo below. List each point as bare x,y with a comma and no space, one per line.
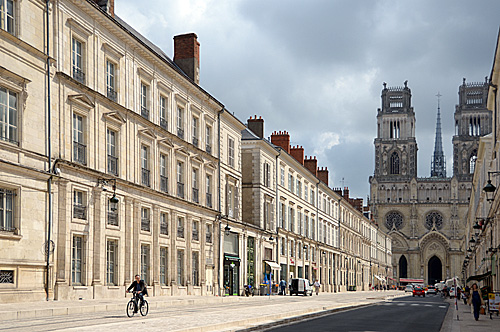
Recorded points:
466,322
183,313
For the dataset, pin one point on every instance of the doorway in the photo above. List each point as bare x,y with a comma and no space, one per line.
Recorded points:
231,277
434,270
403,267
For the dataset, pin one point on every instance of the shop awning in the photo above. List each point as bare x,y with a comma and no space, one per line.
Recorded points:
479,277
379,278
273,265
416,281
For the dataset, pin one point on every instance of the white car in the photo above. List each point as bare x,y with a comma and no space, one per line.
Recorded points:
409,288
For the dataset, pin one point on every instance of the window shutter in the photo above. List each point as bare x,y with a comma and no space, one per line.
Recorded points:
272,217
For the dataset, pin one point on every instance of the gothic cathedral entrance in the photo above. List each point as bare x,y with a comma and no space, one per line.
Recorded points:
403,267
434,271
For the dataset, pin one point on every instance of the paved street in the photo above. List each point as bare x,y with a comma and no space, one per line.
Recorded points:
219,316
403,314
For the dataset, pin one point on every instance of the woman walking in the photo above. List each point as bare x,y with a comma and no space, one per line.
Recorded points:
476,300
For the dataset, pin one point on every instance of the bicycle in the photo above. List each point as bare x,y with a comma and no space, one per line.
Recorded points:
133,304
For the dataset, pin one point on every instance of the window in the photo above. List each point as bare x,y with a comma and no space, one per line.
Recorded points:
145,221
196,268
145,165
300,222
267,215
163,113
306,188
195,185
6,276
163,174
394,163
306,226
208,183
230,152
312,196
7,210
180,227
208,138
267,174
180,179
145,263
163,266
111,147
112,213
164,224
111,258
231,201
290,182
472,163
79,148
180,122
7,15
194,130
282,214
77,260
282,180
144,101
208,235
180,267
79,208
291,219
282,248
110,80
195,230
8,115
298,188
77,60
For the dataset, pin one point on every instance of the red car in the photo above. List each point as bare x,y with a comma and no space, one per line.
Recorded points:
418,291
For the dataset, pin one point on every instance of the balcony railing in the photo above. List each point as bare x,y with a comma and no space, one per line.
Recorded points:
145,224
79,75
112,218
79,211
196,235
180,133
144,112
164,228
112,165
7,228
195,195
195,141
180,232
112,94
163,123
164,184
180,189
145,177
208,148
209,200
79,153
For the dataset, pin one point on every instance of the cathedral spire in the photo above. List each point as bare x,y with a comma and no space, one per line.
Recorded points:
438,165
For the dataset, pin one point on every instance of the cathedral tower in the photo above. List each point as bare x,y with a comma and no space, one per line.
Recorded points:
438,165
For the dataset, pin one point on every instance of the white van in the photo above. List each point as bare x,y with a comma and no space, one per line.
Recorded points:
300,286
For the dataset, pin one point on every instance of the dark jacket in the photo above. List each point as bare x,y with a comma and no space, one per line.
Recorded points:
142,286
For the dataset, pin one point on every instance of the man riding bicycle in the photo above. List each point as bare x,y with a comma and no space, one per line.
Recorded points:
139,286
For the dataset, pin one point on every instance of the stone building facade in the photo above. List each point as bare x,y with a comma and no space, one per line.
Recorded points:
425,216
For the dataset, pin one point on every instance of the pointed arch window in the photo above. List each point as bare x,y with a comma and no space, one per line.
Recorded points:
472,162
394,163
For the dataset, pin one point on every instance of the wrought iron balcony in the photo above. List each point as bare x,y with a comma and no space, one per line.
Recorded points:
195,141
112,218
145,224
195,195
79,211
209,200
79,153
144,112
163,123
180,133
164,184
112,165
112,94
145,177
208,148
180,189
79,75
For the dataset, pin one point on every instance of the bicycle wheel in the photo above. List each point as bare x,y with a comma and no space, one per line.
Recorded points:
130,308
144,308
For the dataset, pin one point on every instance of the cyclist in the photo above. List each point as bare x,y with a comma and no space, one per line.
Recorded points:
140,287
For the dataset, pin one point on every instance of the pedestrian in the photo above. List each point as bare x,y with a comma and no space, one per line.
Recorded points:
466,294
476,300
316,286
283,286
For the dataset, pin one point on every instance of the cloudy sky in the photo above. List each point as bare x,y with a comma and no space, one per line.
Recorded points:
315,67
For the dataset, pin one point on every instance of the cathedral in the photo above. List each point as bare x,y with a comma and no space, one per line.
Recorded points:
425,216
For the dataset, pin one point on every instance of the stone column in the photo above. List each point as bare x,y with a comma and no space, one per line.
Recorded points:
98,276
201,268
63,240
155,251
128,224
136,243
188,270
173,253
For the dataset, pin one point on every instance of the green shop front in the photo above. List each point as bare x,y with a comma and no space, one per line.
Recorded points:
231,264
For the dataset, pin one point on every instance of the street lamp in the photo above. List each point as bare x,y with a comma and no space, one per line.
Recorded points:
489,188
227,230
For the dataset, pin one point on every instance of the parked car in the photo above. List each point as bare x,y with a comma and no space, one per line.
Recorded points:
418,291
409,289
431,290
300,286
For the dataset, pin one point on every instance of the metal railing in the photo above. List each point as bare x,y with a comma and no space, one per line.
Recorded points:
79,153
195,195
180,232
208,148
145,224
112,218
145,177
163,123
112,165
112,94
79,75
79,211
164,228
144,112
180,133
195,141
180,189
196,235
164,184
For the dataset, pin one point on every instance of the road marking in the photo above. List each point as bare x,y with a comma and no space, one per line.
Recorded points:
428,305
442,306
415,304
401,304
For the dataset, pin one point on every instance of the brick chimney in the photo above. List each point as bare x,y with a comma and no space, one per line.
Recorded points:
312,165
298,153
338,191
281,139
107,5
323,174
256,126
187,55
346,193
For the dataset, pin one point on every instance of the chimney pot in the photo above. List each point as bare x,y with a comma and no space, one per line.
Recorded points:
256,126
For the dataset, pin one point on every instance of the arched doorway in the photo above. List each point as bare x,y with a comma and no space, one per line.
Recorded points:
403,267
434,270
